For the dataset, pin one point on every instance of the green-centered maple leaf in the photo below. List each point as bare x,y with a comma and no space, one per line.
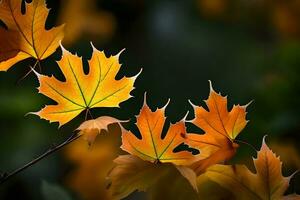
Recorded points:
81,91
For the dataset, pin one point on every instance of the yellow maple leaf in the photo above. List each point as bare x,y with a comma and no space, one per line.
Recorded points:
26,35
221,128
266,184
81,91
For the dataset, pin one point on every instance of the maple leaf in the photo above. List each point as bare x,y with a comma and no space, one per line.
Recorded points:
208,189
152,147
81,91
26,35
180,189
91,128
132,173
152,156
266,184
221,128
291,197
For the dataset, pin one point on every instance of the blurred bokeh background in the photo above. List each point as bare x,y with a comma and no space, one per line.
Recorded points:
250,50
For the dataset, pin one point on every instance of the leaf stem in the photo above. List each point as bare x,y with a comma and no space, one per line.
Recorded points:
31,68
40,66
89,111
250,145
6,176
86,114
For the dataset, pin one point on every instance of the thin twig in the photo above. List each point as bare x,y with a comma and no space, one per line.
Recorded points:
6,176
86,114
250,145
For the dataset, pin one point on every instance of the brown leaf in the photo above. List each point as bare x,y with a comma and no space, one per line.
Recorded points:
210,190
267,183
132,173
91,128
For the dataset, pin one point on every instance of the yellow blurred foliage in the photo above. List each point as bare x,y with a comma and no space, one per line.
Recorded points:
83,18
288,153
213,8
91,164
283,16
286,18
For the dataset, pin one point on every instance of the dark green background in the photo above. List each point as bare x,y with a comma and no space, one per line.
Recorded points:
179,51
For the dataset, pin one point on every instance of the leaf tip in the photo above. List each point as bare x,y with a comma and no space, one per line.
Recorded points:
135,77
264,141
93,47
62,48
118,55
35,72
210,86
166,105
248,104
145,98
32,113
185,116
192,104
60,125
292,175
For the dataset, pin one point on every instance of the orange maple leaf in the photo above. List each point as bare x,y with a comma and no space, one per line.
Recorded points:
266,184
26,35
221,128
81,91
152,157
152,147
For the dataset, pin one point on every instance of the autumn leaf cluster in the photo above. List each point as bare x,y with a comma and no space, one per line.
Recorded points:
152,156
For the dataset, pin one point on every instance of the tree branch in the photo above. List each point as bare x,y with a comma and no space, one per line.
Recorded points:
6,176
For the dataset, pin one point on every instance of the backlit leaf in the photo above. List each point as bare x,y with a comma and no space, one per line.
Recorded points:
221,128
152,147
266,184
26,35
81,91
134,174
